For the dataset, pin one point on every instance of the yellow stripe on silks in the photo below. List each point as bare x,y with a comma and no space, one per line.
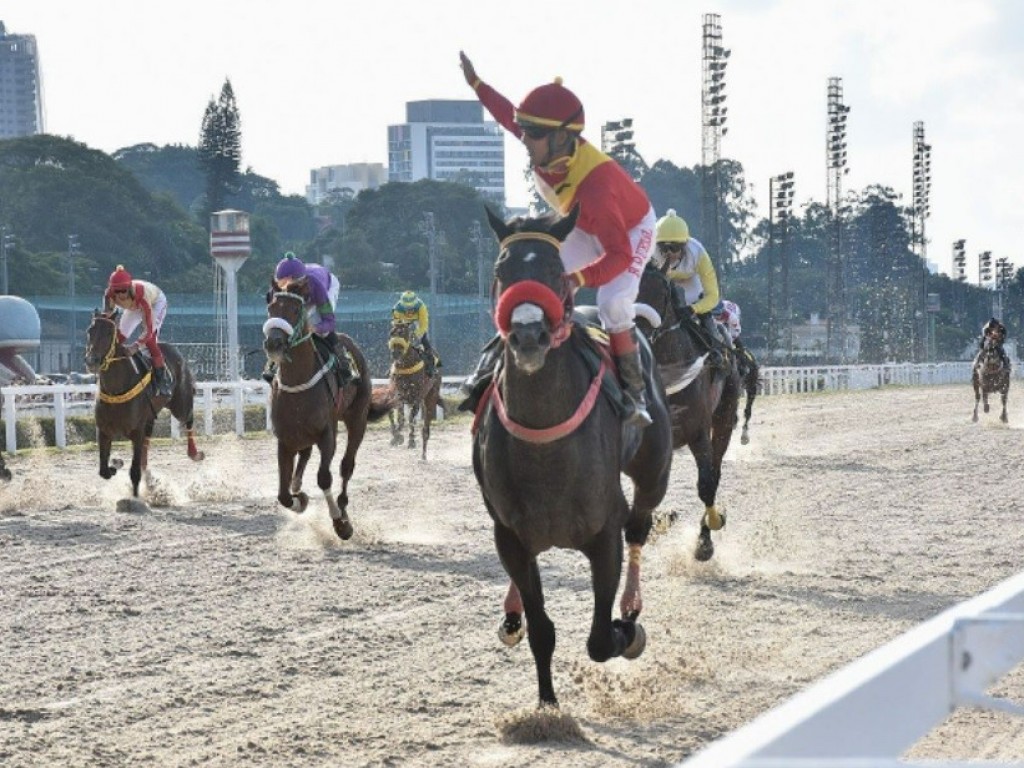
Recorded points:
586,158
131,393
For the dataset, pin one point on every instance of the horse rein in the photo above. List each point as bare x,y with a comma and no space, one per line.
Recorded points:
111,356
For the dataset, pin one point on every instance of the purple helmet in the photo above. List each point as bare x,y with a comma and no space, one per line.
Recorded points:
289,270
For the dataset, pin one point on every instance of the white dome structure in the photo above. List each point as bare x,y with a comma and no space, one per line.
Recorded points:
20,330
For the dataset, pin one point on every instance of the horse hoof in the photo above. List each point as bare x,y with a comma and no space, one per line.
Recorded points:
511,630
986,408
396,441
116,464
974,418
343,528
705,547
303,500
634,649
713,519
744,439
197,456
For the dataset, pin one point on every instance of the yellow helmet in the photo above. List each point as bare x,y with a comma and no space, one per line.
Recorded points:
672,228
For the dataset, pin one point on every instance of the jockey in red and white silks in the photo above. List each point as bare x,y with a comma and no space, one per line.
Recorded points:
728,314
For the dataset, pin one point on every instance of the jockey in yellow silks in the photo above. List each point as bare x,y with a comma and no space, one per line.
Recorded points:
411,310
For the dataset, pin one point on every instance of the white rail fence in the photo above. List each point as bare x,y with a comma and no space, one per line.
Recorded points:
63,400
872,711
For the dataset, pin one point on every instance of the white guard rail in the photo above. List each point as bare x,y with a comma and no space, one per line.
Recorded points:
874,710
62,399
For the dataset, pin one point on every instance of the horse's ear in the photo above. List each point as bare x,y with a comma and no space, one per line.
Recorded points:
561,228
500,228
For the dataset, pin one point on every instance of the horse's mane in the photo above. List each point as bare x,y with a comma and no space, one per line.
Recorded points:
542,223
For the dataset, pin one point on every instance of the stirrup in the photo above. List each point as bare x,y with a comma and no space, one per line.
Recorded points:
636,412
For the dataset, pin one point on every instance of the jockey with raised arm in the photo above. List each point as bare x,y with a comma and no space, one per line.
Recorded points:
142,304
319,290
614,233
411,310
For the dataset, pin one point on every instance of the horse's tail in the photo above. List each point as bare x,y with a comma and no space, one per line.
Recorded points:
383,400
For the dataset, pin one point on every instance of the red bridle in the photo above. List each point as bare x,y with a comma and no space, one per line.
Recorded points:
557,308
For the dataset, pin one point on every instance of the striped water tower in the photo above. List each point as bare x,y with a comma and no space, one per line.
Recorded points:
230,247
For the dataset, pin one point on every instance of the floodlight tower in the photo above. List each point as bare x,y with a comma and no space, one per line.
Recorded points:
230,247
713,118
835,164
960,273
919,213
780,204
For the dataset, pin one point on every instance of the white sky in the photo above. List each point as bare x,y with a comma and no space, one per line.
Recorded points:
318,82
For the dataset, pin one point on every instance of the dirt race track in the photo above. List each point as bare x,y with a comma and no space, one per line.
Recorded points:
211,628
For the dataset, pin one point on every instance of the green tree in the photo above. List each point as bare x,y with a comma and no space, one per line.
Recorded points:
220,148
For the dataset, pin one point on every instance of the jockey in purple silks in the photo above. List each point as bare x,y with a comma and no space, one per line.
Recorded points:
319,289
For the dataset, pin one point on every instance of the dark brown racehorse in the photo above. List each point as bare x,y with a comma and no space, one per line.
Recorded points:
549,446
703,401
126,403
989,375
306,404
412,386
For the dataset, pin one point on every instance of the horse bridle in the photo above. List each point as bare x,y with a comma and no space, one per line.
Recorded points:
111,354
297,334
533,290
662,329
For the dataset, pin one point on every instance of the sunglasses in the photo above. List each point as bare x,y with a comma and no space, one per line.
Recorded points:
121,291
670,247
535,131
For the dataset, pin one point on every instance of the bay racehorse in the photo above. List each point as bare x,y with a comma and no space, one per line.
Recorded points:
126,403
306,403
990,374
702,401
412,386
549,446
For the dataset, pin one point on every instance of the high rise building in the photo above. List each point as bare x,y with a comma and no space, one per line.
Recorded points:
448,140
21,89
349,179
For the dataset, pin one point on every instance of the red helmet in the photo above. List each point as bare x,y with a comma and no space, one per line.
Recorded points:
120,279
552,105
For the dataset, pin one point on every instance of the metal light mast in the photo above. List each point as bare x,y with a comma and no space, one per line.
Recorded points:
921,211
780,204
835,163
713,117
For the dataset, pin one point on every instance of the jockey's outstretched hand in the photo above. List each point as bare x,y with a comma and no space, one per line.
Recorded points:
468,71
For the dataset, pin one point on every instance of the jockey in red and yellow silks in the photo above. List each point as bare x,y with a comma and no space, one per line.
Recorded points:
142,303
614,234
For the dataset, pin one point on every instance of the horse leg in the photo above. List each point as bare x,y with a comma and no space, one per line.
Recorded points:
107,468
397,425
300,469
984,399
977,396
707,489
512,628
355,430
1002,417
339,517
285,460
428,416
521,566
414,410
610,638
751,387
138,458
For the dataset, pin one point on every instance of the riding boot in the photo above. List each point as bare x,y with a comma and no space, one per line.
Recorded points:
429,358
343,368
631,376
164,381
476,383
715,358
742,363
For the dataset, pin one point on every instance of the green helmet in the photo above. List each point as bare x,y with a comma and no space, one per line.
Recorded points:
672,228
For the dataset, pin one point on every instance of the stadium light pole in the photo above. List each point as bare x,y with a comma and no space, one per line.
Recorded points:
922,183
715,59
780,204
835,164
74,249
960,275
6,243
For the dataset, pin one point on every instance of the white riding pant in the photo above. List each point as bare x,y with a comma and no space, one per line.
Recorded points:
615,299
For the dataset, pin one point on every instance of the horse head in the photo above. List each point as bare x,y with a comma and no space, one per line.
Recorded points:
399,339
286,325
101,341
655,311
534,298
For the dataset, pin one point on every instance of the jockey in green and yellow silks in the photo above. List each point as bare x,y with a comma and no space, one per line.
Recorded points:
411,310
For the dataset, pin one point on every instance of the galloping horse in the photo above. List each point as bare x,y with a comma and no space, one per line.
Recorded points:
988,375
127,404
703,401
412,385
549,445
306,404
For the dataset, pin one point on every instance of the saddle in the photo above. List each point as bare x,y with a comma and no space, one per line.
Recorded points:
143,362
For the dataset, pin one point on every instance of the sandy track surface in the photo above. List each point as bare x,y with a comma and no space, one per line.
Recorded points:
208,627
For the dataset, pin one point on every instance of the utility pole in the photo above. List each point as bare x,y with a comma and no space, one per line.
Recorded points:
6,243
74,249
